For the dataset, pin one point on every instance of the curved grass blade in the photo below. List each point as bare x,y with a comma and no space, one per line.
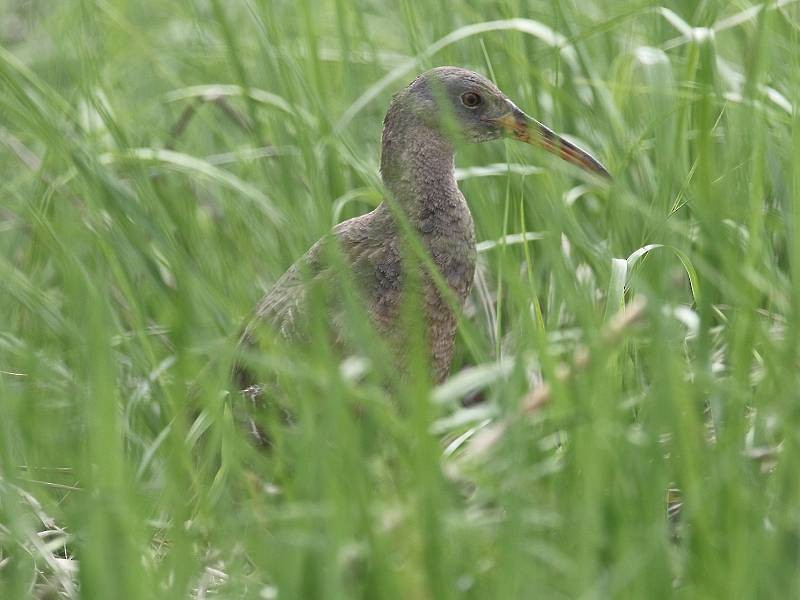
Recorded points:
691,272
213,91
195,166
528,26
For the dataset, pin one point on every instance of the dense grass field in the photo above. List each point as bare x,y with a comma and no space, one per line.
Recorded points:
634,347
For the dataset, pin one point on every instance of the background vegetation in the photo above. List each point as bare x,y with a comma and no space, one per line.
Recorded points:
163,162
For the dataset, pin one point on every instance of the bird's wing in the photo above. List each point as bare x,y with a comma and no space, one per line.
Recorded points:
284,307
284,304
281,310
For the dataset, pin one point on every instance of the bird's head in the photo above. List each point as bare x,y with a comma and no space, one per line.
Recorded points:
466,106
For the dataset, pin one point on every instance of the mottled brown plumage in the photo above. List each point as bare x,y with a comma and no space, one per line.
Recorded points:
438,110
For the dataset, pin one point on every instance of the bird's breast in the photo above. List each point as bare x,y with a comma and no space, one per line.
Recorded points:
450,241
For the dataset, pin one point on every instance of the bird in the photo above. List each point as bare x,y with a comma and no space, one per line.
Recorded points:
426,121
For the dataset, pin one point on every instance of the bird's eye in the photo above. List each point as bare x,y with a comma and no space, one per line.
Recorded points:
470,99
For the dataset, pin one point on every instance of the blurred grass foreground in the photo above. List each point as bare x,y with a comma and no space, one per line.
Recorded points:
629,356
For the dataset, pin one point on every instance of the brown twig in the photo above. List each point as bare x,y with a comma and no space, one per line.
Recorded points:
189,112
233,114
180,125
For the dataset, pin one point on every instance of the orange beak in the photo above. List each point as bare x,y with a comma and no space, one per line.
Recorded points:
526,129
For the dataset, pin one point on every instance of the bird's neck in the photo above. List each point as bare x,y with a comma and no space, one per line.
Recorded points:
417,167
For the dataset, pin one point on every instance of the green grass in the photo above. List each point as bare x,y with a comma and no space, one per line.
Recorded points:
141,217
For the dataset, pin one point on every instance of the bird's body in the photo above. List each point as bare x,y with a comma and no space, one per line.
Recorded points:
424,122
372,246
